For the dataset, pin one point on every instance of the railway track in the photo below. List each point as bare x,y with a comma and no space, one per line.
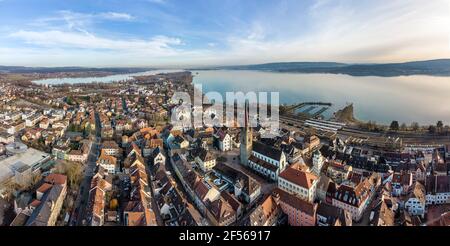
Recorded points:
373,137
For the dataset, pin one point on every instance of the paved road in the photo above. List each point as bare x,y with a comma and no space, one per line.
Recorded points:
80,203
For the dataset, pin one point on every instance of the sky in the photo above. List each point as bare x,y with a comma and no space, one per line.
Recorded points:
180,33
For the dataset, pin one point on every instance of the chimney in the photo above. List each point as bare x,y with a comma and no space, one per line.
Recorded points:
276,196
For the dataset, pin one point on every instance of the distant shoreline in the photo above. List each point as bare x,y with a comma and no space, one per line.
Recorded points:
438,68
333,73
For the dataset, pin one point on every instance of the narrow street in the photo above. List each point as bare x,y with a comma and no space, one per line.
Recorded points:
82,198
153,203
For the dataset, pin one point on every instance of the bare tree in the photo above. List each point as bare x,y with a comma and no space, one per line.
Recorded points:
403,127
72,170
439,126
415,126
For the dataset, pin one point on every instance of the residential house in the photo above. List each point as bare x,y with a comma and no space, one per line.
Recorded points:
16,127
292,151
111,148
33,120
6,138
134,158
355,199
31,135
383,214
60,151
76,156
401,183
246,188
51,196
338,171
266,214
420,172
138,211
437,189
141,124
179,142
205,160
107,132
157,157
223,140
298,182
329,215
220,212
299,211
203,192
416,200
44,124
108,162
237,206
95,209
151,144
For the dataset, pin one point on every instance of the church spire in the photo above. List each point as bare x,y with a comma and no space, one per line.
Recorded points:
246,137
246,109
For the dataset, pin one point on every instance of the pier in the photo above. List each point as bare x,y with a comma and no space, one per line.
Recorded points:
291,109
319,112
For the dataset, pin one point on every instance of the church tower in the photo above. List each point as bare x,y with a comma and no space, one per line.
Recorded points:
246,138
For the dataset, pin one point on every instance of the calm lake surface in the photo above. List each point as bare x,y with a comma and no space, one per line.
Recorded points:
424,99
106,79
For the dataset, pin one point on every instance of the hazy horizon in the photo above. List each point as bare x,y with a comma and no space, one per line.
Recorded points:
181,34
187,67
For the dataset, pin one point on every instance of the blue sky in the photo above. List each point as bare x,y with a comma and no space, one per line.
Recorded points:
180,33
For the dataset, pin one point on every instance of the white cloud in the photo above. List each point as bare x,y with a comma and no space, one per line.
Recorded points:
115,16
76,20
161,45
395,31
69,38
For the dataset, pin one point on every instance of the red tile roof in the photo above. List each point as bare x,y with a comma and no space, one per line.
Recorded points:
295,202
201,189
234,203
35,203
221,210
44,188
54,178
295,175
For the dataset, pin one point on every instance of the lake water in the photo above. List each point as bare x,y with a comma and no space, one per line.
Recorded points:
424,99
105,79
